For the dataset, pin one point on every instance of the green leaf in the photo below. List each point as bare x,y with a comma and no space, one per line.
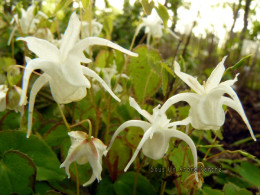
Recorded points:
240,63
147,6
102,59
56,135
125,183
118,156
106,187
163,13
209,190
17,173
249,172
144,72
44,158
232,189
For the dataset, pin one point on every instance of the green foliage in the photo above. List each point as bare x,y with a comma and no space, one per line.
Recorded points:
17,173
163,13
147,6
145,72
43,157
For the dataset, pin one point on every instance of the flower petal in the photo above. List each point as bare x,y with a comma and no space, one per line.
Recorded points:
31,66
90,181
89,41
216,75
231,82
71,36
77,136
37,85
144,113
94,159
185,121
88,72
236,105
157,146
140,145
135,123
190,98
75,152
189,80
42,48
178,134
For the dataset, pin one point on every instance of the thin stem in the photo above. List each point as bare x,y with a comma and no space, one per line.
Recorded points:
90,130
146,85
136,175
163,187
64,118
214,140
108,120
77,177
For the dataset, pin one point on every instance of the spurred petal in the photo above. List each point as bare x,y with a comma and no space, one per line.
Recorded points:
91,73
178,134
31,66
135,123
236,105
140,145
90,181
185,121
216,75
144,113
190,98
71,36
38,84
89,41
42,48
189,80
229,83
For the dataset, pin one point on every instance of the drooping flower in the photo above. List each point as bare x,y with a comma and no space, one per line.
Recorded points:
206,101
154,27
157,134
84,150
62,67
28,21
96,28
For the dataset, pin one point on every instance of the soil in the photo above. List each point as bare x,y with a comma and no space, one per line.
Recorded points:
235,128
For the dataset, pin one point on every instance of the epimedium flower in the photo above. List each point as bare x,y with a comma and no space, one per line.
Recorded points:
157,134
96,28
84,149
154,27
28,21
206,111
62,67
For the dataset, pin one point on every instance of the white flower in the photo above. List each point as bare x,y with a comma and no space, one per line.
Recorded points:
83,150
62,67
96,28
28,21
206,102
157,134
154,27
3,91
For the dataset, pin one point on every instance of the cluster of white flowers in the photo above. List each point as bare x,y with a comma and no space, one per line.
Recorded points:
68,81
